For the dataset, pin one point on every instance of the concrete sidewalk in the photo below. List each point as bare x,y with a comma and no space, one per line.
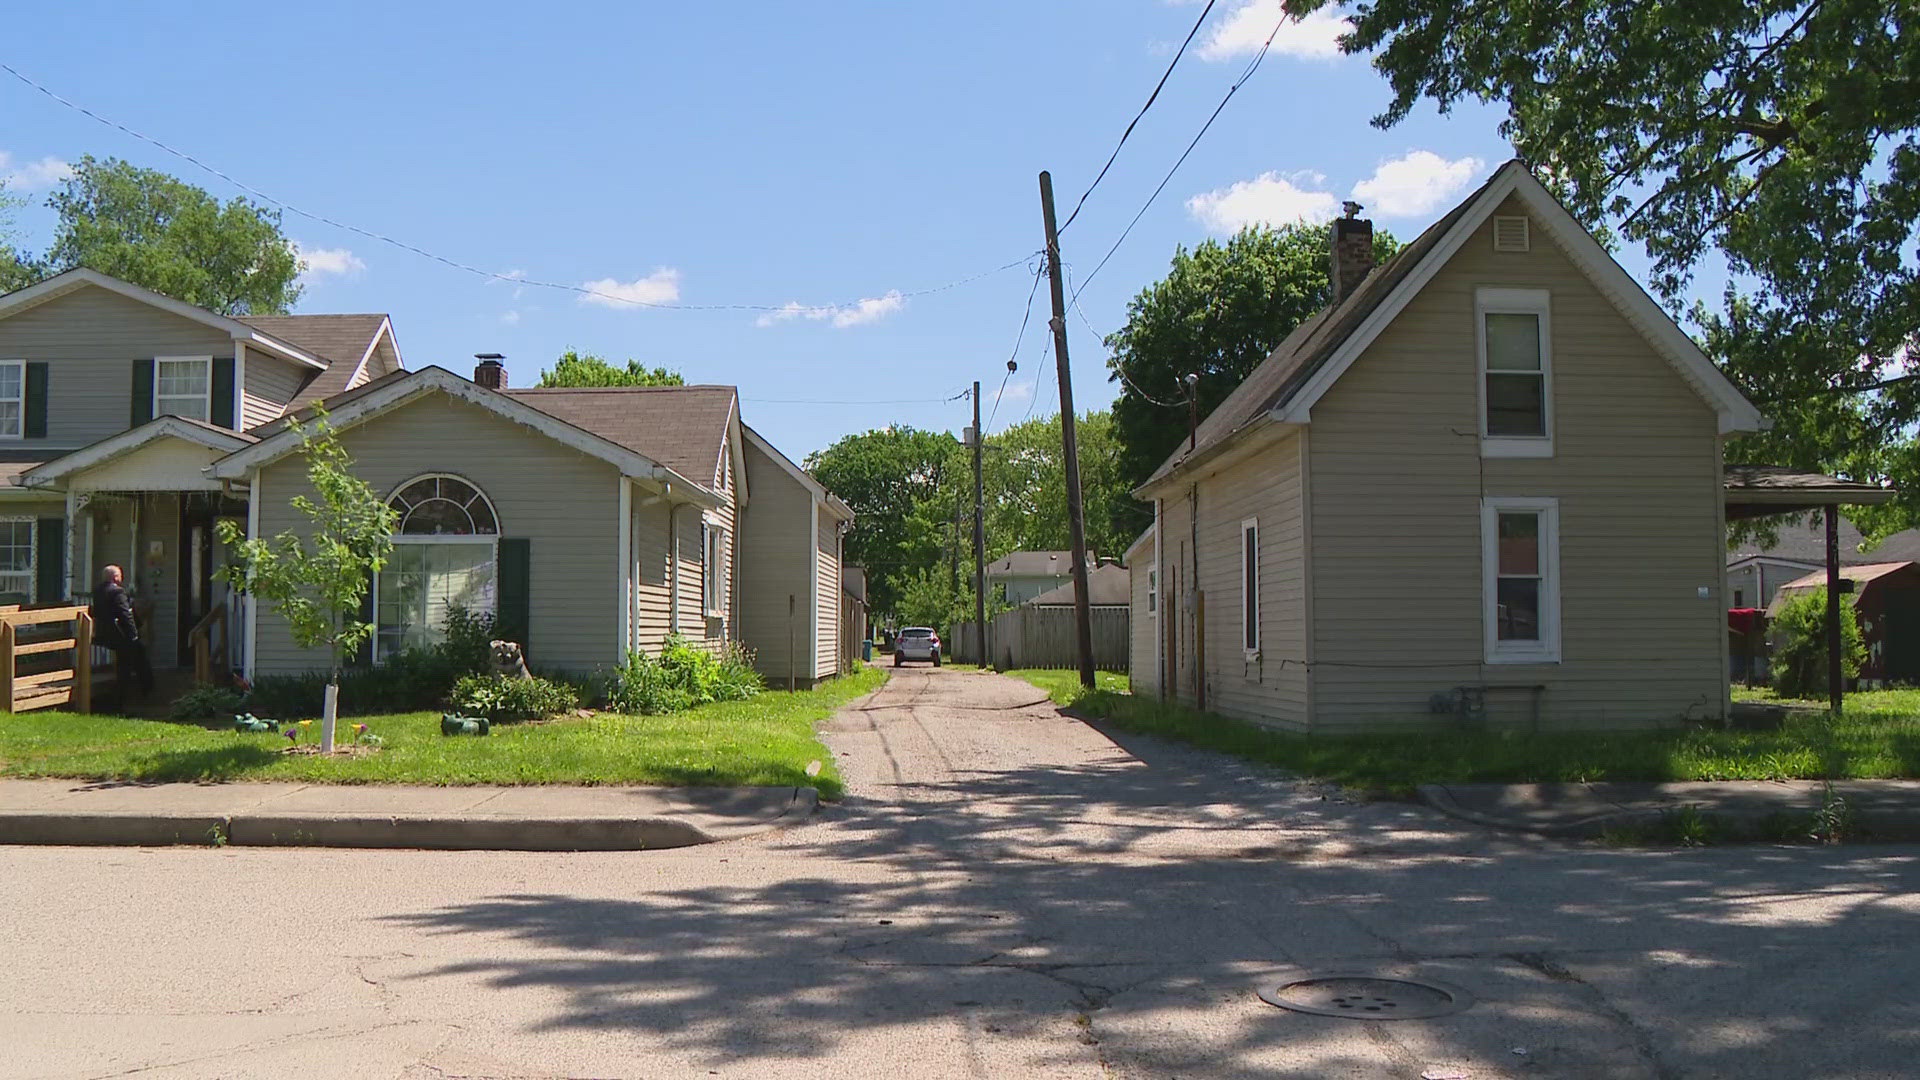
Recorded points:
1874,809
533,818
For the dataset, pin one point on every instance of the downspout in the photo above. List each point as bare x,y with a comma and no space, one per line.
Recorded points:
673,568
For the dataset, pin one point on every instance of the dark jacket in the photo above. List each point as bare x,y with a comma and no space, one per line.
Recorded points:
112,613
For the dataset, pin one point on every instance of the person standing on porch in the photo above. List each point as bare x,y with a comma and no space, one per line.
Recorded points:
114,628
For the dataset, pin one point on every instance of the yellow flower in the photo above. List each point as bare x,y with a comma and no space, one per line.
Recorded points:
306,723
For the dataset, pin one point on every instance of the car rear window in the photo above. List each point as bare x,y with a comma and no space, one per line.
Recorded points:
916,633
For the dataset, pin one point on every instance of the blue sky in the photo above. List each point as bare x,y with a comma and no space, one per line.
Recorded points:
838,158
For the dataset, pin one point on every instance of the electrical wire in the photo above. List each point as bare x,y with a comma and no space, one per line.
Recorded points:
1014,355
1114,361
1035,400
1131,124
1231,90
466,267
825,401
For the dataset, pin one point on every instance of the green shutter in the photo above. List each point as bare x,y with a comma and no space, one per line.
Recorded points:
50,560
37,400
514,620
142,392
220,409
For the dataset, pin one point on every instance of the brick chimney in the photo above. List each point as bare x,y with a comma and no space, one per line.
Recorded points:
490,372
1351,257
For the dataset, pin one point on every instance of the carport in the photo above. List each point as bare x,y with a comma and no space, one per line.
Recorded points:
1756,491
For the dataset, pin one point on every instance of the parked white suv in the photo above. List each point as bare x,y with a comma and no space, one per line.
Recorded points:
916,643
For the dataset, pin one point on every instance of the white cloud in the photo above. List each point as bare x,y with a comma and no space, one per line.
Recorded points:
1245,30
321,262
32,175
1415,184
660,287
1268,199
871,309
511,318
1017,391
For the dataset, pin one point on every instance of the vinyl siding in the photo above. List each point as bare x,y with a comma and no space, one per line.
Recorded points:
775,563
1143,663
89,339
559,499
1397,480
1264,484
382,361
270,383
826,612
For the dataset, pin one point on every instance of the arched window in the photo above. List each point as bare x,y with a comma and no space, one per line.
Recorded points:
445,555
443,506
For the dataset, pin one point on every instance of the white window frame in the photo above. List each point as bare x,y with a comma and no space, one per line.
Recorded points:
21,431
1515,302
491,540
1250,588
1547,649
206,399
1153,590
713,561
33,553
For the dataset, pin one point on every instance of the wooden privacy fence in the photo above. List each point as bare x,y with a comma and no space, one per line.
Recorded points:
1043,637
22,635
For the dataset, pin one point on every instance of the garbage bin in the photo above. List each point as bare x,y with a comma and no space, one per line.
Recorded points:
866,650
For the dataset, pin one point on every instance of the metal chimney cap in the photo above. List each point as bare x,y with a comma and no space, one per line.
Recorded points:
492,356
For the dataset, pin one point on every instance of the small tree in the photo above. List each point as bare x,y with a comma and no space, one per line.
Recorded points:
316,582
1799,632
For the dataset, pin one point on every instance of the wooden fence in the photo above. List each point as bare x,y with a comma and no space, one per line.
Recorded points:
29,632
1043,637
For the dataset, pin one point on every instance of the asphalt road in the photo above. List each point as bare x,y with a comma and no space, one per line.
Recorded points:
1006,892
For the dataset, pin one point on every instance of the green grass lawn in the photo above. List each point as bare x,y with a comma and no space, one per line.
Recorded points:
768,739
1064,686
1877,737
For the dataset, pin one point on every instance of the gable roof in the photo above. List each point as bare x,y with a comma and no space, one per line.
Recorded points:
681,427
1303,367
1803,543
388,392
80,277
344,341
835,505
1108,585
198,432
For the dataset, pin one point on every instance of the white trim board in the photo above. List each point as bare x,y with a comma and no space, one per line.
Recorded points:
61,284
1640,310
126,442
415,384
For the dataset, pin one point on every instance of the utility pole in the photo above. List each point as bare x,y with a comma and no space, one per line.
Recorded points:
1076,514
979,536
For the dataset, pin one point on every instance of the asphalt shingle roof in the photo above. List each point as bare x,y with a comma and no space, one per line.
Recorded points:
681,427
1108,584
340,340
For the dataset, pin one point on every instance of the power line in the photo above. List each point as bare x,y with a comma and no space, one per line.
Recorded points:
827,401
1014,355
466,267
1119,369
1151,98
1231,90
1045,367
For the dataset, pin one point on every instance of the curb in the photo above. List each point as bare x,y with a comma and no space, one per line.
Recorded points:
441,833
1877,824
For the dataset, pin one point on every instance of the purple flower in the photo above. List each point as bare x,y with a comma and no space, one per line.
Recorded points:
293,734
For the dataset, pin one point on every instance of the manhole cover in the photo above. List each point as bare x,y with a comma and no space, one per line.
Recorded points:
1367,997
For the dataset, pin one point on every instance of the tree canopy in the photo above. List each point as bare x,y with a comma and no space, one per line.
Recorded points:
164,234
896,481
1782,136
576,368
1219,312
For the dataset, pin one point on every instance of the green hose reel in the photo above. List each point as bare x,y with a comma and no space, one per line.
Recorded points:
247,722
451,724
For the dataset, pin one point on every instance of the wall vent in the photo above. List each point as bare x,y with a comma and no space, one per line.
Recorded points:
1511,234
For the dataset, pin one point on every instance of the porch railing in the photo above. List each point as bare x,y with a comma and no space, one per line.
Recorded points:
204,651
19,637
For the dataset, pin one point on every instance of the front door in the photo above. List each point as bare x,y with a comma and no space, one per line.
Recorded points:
196,568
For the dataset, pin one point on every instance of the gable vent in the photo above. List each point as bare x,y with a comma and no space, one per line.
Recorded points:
1511,234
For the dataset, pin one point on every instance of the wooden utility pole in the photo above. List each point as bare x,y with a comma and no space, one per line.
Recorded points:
979,536
1076,514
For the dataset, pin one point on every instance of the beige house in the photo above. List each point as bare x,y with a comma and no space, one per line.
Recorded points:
588,522
1485,485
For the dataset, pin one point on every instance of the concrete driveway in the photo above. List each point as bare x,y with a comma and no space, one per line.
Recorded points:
1005,892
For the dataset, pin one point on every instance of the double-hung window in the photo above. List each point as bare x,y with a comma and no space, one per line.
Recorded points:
183,386
1153,590
1516,372
13,398
16,560
1250,586
1521,583
712,551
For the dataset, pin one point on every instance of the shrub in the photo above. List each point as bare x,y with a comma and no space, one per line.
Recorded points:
206,701
684,676
506,700
1799,633
417,680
